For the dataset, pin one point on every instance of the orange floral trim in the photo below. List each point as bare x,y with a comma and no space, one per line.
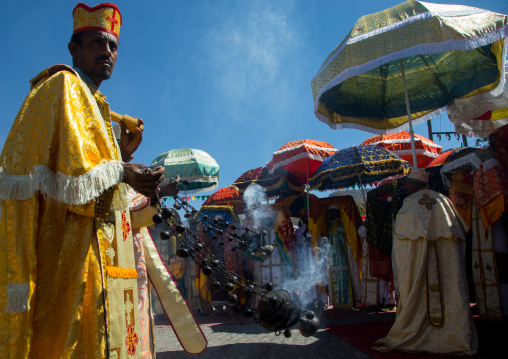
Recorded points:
126,227
132,340
117,272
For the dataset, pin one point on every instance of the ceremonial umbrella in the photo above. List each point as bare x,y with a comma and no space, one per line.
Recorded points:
478,116
247,178
301,158
198,171
228,196
400,143
409,62
447,156
279,183
357,165
468,161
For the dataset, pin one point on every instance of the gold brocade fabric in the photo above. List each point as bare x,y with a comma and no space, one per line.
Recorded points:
433,313
60,145
59,157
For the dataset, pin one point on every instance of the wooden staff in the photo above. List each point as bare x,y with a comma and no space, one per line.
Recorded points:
131,122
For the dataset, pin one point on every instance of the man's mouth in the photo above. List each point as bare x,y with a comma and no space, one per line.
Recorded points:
103,62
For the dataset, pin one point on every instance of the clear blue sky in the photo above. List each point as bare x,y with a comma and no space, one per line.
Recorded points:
231,78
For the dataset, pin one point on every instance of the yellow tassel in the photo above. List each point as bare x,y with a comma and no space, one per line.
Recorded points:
117,272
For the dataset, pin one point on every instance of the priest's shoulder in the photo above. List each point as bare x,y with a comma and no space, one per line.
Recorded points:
49,72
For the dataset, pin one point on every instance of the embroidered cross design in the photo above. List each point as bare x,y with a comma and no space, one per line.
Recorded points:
489,267
128,309
113,20
476,265
131,340
111,254
427,201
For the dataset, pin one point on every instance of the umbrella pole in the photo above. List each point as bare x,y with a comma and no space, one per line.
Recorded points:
308,204
411,132
361,186
185,191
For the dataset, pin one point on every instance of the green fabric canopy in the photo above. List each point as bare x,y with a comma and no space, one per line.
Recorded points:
194,166
448,51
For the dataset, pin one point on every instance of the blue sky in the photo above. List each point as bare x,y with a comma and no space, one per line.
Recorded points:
231,78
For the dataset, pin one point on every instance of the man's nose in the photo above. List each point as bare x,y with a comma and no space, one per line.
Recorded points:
106,50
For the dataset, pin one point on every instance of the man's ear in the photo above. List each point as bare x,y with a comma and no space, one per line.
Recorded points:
73,49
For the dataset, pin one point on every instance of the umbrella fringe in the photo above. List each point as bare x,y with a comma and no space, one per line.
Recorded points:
295,158
389,131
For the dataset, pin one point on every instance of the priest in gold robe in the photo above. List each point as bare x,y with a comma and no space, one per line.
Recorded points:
67,271
433,312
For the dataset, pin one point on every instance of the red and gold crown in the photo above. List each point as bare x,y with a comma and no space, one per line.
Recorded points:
104,17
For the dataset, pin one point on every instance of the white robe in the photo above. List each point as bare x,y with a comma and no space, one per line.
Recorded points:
433,312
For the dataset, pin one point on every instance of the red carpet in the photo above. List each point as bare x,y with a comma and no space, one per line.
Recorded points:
363,335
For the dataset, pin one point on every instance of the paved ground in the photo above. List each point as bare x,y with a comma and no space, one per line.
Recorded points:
237,337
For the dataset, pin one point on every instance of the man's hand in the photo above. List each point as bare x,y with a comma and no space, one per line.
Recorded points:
129,142
142,181
170,189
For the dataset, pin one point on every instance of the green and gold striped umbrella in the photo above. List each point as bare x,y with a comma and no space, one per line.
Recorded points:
445,52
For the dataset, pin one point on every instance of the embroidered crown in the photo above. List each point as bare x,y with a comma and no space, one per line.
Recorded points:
104,17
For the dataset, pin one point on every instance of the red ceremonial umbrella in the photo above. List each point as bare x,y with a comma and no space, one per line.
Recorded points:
445,157
227,197
301,158
400,143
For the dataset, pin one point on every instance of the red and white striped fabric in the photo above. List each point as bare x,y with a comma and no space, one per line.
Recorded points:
302,158
400,143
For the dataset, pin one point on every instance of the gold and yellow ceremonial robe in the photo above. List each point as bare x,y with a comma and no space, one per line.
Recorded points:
67,266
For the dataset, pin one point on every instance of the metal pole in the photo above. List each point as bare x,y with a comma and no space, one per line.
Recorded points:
429,127
464,140
411,132
308,203
361,186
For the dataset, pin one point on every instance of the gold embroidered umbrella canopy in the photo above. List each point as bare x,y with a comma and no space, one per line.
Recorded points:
408,62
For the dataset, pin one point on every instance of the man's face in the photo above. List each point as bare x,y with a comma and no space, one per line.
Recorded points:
96,56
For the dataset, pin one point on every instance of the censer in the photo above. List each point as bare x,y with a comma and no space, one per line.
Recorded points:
278,310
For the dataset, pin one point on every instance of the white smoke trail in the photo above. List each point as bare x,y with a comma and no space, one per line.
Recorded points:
312,270
253,197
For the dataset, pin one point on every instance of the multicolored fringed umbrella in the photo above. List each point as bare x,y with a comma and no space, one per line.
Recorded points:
279,183
357,165
198,171
301,158
478,116
400,143
227,197
409,62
